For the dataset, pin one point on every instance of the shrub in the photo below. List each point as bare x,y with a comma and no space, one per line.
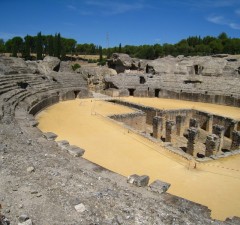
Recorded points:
75,66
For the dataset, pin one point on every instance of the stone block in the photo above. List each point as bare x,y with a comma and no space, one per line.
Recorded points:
50,136
139,181
159,186
75,151
63,144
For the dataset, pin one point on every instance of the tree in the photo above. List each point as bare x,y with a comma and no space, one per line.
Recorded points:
57,45
27,49
120,48
216,46
39,46
100,54
222,36
2,46
50,45
17,46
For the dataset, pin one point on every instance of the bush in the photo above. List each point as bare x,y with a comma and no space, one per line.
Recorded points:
102,62
75,66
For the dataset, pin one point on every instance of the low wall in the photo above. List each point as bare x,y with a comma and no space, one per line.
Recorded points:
135,120
201,117
149,111
56,97
182,95
200,97
43,104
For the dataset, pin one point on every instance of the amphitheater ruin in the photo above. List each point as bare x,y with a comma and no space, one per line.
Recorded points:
70,138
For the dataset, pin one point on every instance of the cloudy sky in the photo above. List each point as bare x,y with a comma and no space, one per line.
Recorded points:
131,22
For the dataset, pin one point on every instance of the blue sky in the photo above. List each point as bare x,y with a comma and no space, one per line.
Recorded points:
133,22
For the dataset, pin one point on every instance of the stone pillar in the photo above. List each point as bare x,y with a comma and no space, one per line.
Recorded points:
209,123
235,140
180,124
192,140
157,126
233,127
170,127
193,123
212,143
219,131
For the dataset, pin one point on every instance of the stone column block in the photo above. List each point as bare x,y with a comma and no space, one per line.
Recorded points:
180,124
157,127
193,123
209,123
219,131
233,127
170,127
212,143
192,140
235,140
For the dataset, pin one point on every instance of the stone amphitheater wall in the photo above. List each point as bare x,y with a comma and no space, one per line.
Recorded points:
135,120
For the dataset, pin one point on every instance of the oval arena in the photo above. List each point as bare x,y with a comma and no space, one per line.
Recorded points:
184,133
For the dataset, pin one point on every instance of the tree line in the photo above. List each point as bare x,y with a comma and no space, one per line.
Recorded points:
55,45
31,47
191,46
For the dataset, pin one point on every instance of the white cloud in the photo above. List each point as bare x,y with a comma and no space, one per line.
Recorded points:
108,7
235,26
211,3
221,20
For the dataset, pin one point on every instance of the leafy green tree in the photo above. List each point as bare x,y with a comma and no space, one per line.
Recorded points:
216,46
17,46
39,46
2,46
50,45
100,54
27,48
120,48
57,45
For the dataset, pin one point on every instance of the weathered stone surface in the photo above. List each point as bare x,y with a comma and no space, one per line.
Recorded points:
22,218
75,151
63,144
80,208
159,186
27,222
192,140
50,136
139,181
95,75
12,65
212,143
49,64
30,169
235,140
121,62
66,66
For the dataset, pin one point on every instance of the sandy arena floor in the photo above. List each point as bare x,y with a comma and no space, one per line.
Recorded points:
84,123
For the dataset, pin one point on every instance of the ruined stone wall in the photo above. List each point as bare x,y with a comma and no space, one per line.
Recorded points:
200,97
43,104
135,120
